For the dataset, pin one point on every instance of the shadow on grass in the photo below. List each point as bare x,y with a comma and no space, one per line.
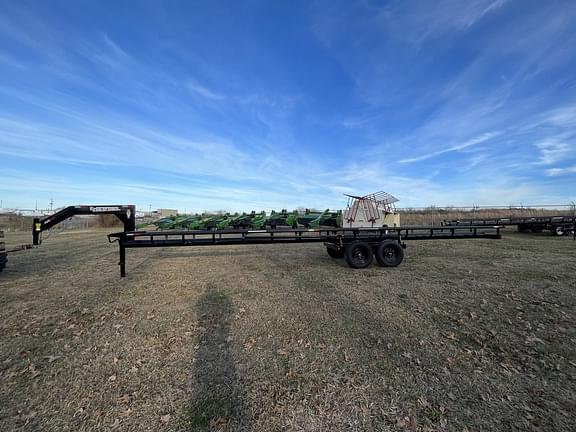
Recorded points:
218,400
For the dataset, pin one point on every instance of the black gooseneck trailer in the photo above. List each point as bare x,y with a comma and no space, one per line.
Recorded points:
358,246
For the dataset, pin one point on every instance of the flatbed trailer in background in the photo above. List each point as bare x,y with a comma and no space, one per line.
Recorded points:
557,225
358,246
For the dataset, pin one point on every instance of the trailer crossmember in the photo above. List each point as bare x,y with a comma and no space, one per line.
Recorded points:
357,245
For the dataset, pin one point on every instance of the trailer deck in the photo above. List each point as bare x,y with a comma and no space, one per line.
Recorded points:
357,245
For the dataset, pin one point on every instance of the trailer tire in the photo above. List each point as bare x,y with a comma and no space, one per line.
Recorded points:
358,254
558,231
335,253
389,254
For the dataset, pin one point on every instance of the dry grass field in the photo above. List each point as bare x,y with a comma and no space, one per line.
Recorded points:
470,335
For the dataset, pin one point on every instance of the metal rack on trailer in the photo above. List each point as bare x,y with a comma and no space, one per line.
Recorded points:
557,225
357,245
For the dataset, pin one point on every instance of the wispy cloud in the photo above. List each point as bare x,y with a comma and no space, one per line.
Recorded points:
121,145
552,151
562,117
9,60
198,89
118,51
466,144
422,20
561,171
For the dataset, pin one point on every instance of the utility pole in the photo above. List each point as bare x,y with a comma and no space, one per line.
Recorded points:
51,204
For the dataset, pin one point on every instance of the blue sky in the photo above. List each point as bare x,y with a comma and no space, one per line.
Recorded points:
206,105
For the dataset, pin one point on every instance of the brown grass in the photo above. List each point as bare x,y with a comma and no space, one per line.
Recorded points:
468,335
12,222
107,221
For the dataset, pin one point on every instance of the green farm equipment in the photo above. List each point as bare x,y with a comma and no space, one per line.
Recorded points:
278,218
206,222
240,221
215,222
225,221
327,218
185,222
164,223
259,220
250,220
298,219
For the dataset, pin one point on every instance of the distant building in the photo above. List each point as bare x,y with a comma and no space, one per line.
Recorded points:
167,212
